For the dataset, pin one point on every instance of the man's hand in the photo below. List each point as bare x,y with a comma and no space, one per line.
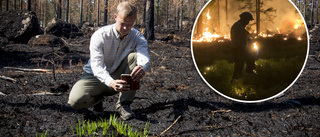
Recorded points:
120,85
137,73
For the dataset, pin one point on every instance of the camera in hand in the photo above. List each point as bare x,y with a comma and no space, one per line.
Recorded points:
134,85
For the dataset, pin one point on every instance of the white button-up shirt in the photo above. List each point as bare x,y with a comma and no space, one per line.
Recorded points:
107,51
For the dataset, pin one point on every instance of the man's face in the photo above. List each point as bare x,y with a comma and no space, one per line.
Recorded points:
124,24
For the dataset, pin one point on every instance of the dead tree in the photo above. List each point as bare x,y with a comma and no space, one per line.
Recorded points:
98,13
144,14
149,31
181,14
21,2
177,15
67,11
304,9
7,5
81,7
39,13
312,13
105,19
15,4
59,9
318,11
28,5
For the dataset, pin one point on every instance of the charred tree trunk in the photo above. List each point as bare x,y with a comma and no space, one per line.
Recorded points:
312,13
81,7
177,16
59,9
67,11
304,9
149,33
98,13
158,12
29,5
167,14
40,17
318,11
21,3
15,4
105,19
45,13
193,10
7,5
181,14
144,14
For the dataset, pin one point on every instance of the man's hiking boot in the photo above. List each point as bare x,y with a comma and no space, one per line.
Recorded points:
125,112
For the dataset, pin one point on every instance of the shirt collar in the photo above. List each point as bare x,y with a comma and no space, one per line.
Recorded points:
115,31
117,34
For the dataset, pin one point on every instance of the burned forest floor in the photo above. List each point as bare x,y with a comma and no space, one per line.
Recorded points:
35,101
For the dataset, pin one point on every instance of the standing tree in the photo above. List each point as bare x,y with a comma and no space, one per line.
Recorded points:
21,2
0,5
14,4
67,11
59,9
312,13
149,31
304,9
98,13
177,7
81,7
181,14
105,21
29,5
144,14
7,5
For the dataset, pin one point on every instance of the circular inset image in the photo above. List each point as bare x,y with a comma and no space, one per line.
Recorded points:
249,51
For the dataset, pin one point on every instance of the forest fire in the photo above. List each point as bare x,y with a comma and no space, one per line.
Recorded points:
210,37
288,29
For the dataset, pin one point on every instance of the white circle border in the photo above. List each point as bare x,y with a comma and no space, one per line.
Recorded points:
255,101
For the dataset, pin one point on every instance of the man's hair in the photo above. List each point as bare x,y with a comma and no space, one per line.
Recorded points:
127,9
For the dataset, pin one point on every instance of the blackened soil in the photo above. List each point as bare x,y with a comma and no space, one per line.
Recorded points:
172,90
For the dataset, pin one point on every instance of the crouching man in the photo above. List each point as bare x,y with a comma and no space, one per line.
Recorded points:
114,50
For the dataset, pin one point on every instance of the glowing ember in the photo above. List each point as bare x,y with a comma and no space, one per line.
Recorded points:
299,38
255,46
278,31
208,16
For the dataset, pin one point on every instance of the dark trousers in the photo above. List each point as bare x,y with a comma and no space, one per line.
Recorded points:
242,56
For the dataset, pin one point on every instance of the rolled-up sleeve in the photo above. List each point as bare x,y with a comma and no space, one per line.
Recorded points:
97,59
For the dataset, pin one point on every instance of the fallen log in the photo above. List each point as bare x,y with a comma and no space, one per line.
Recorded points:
29,70
8,78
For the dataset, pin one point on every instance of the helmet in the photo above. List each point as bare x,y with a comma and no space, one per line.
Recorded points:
246,15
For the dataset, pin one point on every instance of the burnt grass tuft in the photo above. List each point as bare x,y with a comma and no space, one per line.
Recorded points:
36,102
